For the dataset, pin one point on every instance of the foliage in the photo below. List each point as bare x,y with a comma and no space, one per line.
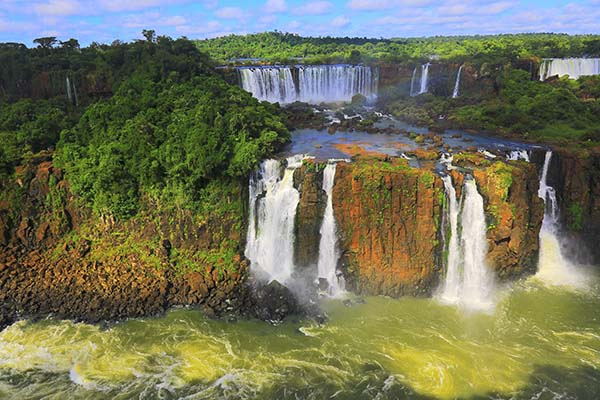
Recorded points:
166,139
287,47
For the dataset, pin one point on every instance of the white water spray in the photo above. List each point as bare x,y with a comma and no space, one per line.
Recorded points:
469,282
329,253
553,268
457,83
273,203
516,155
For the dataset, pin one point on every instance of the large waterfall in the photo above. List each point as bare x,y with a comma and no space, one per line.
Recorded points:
273,203
423,85
455,92
553,267
314,83
329,253
573,67
468,282
272,84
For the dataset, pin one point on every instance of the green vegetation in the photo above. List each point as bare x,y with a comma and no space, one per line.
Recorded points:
287,47
564,110
575,211
150,138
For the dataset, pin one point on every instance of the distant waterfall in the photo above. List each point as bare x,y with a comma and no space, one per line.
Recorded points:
329,253
69,95
424,82
553,267
457,83
468,282
273,203
315,83
412,82
574,67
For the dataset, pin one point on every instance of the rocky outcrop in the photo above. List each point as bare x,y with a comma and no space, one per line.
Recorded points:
309,214
388,216
575,175
390,220
514,212
55,258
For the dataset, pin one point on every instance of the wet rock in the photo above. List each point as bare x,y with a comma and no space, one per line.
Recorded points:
273,302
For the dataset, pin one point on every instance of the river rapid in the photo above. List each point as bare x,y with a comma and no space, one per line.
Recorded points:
540,342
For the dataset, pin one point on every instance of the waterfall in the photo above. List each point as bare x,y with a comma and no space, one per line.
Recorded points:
450,289
69,95
553,267
273,84
424,82
329,253
412,82
573,67
424,78
315,83
273,202
457,83
515,155
468,282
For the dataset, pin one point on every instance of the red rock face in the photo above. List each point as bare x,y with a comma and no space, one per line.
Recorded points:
388,216
389,221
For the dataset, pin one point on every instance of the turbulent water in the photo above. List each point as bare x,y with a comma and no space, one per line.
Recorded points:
314,84
573,67
456,90
273,203
329,252
468,282
541,343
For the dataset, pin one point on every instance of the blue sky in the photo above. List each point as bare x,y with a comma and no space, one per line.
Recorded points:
106,20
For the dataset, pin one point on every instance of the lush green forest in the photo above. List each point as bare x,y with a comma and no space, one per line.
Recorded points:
285,47
151,120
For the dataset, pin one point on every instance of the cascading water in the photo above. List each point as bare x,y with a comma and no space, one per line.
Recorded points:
515,155
329,253
553,267
423,83
468,282
412,82
315,83
457,83
424,78
573,67
450,289
273,84
273,203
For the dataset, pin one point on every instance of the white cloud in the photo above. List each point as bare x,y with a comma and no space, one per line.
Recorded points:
275,6
128,5
230,13
314,8
374,5
340,22
58,7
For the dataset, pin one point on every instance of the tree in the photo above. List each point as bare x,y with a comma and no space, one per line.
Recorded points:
45,42
149,34
71,44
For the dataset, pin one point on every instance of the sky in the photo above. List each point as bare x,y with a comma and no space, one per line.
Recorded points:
106,20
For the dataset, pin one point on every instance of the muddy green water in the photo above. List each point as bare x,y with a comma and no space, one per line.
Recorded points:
541,343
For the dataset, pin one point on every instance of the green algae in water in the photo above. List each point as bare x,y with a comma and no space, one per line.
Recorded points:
540,343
